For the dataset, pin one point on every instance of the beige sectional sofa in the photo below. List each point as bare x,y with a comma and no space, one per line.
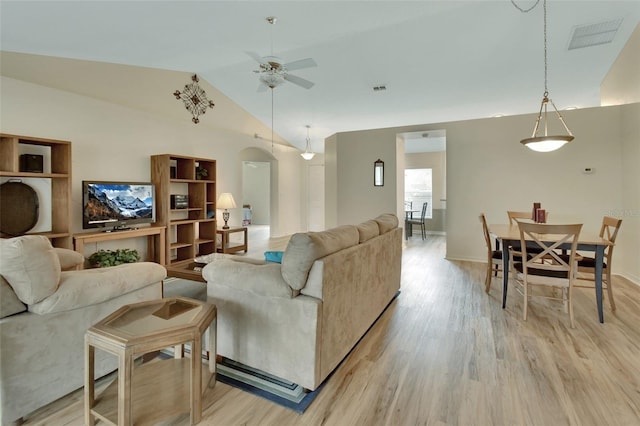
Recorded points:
299,319
45,308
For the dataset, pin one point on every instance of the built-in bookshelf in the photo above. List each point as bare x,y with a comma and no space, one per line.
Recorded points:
56,172
190,227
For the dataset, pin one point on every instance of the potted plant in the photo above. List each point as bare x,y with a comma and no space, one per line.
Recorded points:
105,258
201,172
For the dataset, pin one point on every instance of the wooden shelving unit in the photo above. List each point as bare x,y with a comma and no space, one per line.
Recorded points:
190,231
57,168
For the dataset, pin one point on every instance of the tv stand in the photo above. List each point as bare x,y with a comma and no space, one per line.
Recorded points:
155,240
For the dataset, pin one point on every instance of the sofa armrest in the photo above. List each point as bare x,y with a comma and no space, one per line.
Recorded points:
88,287
69,259
264,279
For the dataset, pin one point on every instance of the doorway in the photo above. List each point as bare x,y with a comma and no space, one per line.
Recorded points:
425,176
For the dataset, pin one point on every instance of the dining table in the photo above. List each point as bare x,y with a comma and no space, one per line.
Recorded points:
408,215
509,236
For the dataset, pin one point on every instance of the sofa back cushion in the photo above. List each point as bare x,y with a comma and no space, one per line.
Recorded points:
31,267
386,222
304,248
368,230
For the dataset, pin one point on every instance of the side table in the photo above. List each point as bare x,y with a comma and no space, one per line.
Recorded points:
232,247
157,389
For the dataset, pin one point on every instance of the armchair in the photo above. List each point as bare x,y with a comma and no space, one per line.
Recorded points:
46,307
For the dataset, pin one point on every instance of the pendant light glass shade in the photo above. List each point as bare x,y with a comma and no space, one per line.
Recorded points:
307,154
546,142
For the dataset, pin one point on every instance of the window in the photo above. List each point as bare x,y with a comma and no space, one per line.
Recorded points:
418,189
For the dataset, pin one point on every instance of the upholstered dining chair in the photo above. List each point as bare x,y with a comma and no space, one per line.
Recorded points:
587,265
494,257
421,221
534,268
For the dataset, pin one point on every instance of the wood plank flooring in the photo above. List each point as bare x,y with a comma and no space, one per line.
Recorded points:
445,353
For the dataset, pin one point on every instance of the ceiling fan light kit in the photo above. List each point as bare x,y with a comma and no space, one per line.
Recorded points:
545,143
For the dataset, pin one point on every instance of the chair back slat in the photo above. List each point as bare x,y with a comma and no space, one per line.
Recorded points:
548,239
513,215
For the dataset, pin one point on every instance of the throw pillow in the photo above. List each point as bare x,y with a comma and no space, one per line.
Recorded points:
31,267
273,256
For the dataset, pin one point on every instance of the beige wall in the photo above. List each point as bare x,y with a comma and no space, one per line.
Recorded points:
350,195
621,85
628,244
113,142
489,171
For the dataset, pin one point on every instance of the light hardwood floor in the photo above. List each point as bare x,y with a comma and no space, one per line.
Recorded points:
445,353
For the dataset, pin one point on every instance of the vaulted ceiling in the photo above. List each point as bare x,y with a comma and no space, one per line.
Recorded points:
439,60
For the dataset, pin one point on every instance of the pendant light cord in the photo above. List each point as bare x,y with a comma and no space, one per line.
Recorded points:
272,121
544,8
525,10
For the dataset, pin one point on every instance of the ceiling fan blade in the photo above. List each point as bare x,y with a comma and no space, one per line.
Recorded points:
302,63
299,81
256,57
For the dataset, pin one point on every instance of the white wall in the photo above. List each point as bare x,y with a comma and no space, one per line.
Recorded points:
112,142
489,171
256,188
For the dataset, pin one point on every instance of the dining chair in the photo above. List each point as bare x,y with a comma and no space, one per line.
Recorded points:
422,221
587,265
534,269
494,257
513,215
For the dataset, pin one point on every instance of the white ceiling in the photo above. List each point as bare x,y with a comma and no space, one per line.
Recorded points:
440,60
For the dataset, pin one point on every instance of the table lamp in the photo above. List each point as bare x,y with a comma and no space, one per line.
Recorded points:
226,202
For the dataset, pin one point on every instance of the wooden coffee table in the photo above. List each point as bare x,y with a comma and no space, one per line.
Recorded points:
146,393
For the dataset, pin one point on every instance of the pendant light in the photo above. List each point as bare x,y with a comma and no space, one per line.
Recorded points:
307,154
547,142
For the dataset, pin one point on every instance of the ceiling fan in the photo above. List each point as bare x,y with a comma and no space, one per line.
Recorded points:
273,72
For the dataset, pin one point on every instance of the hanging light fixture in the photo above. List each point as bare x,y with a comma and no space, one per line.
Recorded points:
547,142
307,154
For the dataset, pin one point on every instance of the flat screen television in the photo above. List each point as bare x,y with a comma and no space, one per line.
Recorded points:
117,205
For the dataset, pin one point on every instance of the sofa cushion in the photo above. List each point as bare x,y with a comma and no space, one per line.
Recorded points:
304,248
368,230
386,222
69,259
92,286
31,267
9,302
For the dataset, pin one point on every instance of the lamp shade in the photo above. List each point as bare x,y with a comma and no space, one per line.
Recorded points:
226,201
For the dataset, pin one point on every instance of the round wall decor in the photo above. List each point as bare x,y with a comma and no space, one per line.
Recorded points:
18,208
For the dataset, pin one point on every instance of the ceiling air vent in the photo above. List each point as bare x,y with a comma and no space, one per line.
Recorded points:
594,34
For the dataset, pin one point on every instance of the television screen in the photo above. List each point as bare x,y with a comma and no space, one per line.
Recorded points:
117,205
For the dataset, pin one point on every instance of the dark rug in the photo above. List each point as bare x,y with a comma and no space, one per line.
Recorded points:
264,385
